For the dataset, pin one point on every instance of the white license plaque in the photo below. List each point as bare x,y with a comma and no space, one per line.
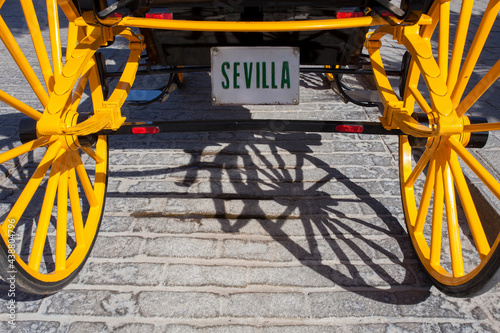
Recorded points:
255,75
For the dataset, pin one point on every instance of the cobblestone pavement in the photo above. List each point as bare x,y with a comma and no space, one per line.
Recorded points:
247,232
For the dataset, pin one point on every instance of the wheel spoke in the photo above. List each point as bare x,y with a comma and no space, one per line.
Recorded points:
425,200
419,167
20,106
457,261
437,215
62,216
26,148
475,166
95,86
45,215
76,209
89,151
72,38
37,38
469,207
444,37
483,85
420,99
22,63
79,88
29,190
481,127
475,50
459,43
85,181
55,36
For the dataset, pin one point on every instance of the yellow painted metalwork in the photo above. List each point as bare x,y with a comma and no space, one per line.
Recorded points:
69,9
444,36
76,210
23,64
437,214
459,43
470,61
38,43
306,25
452,218
426,199
483,85
25,148
470,210
475,166
55,36
20,106
22,202
45,215
62,215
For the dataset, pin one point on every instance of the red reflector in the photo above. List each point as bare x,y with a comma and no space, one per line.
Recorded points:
116,14
386,13
160,16
145,130
349,128
349,12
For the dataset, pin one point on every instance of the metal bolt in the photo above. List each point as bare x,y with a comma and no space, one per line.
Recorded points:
434,127
296,51
294,101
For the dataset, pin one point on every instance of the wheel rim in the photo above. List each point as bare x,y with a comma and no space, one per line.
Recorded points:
453,241
57,224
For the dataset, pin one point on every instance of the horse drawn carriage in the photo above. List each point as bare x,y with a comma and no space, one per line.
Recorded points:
255,51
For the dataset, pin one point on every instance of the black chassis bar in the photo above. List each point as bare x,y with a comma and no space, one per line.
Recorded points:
195,69
256,125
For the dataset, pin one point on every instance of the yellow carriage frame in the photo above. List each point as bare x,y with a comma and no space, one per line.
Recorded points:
448,131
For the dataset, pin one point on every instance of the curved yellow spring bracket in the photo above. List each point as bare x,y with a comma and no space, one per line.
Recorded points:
397,113
108,115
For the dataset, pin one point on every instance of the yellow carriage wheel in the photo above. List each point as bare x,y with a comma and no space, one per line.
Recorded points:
456,241
49,228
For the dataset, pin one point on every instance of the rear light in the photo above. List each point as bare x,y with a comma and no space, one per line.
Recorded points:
349,128
349,12
116,14
145,130
160,16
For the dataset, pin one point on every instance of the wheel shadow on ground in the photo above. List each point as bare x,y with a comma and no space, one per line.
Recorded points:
254,171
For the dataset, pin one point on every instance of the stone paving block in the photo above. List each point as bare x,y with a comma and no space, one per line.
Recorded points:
115,224
178,304
91,303
136,274
134,328
267,305
353,304
336,249
258,250
300,276
180,247
182,225
88,327
210,329
466,327
117,246
373,275
347,328
31,326
414,304
197,275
